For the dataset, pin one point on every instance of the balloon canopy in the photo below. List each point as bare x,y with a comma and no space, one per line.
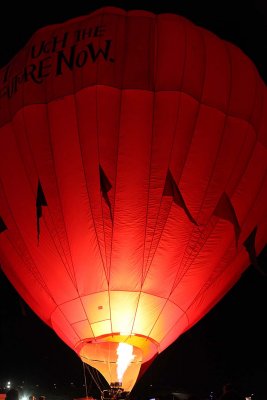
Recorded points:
133,190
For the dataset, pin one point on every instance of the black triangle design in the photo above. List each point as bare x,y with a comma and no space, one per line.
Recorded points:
226,211
105,187
3,226
171,189
40,202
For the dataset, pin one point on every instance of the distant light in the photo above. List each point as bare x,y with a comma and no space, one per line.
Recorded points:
24,397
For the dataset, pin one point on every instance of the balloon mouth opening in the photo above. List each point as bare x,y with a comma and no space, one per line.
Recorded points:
148,346
118,358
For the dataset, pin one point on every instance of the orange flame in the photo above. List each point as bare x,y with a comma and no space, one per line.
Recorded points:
125,356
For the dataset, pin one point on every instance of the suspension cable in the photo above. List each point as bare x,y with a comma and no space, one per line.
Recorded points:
85,381
94,378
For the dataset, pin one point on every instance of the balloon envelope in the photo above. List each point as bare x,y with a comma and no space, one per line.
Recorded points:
132,179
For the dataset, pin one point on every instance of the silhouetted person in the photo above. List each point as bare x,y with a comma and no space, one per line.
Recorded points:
12,394
229,393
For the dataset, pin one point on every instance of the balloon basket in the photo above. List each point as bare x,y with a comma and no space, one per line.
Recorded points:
115,392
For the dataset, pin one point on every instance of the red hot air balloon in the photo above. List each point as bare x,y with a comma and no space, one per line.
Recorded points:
133,185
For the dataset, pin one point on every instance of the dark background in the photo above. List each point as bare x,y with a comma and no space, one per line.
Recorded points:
230,342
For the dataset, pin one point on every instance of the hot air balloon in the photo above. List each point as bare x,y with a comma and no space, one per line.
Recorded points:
133,190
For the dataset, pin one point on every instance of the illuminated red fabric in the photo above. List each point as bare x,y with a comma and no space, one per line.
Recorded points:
132,170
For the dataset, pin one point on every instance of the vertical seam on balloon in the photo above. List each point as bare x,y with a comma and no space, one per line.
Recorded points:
99,163
155,23
170,156
125,16
78,137
144,268
125,25
58,192
115,186
86,185
150,161
100,17
155,69
121,91
151,256
103,220
189,145
194,229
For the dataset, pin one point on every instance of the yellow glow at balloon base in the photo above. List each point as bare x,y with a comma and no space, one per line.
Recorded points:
117,362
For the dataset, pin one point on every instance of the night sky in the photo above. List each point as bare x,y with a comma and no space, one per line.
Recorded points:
230,342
